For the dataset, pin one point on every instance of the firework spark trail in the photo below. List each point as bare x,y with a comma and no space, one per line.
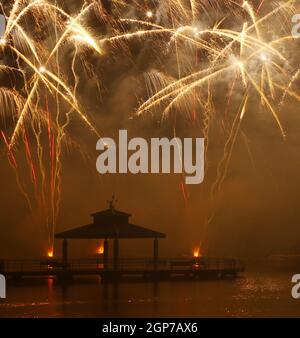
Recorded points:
11,156
253,46
231,142
223,165
231,92
184,193
43,79
29,157
260,6
13,163
68,97
289,86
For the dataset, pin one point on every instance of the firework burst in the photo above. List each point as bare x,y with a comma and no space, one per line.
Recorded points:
243,49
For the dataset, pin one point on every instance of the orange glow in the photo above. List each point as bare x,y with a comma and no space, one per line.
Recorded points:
50,253
196,253
100,250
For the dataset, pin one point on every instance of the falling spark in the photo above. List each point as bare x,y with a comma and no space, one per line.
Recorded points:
42,69
149,14
263,57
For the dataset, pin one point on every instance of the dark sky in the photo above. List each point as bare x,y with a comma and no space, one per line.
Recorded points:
255,213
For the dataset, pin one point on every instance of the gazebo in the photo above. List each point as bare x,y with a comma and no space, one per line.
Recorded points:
110,224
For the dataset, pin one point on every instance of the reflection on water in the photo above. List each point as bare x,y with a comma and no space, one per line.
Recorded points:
263,291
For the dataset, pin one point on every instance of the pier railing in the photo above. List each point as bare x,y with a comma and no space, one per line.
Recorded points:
124,264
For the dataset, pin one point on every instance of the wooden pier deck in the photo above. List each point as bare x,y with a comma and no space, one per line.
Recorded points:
143,269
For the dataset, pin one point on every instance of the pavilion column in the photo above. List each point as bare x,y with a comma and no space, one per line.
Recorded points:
116,254
105,254
65,253
155,253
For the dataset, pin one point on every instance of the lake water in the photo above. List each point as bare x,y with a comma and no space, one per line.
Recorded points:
263,291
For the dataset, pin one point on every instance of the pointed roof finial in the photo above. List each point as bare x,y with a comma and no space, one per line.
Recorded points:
111,202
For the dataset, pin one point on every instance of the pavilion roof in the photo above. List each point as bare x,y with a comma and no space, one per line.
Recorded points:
109,231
